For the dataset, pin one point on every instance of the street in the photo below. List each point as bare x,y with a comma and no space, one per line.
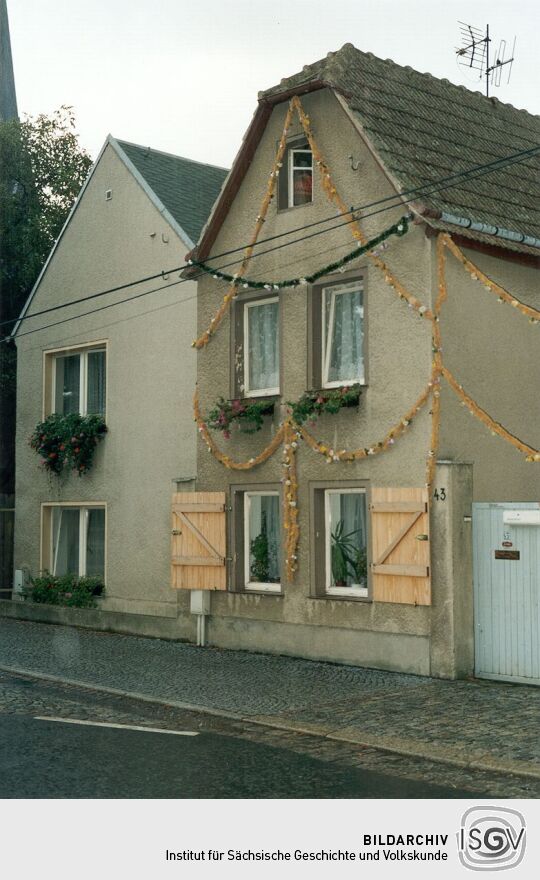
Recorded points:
45,758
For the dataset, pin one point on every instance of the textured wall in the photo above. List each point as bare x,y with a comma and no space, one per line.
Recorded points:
151,373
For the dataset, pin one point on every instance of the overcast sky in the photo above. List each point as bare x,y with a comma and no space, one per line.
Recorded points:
183,76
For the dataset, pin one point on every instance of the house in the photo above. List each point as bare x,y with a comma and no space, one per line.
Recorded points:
383,509
138,213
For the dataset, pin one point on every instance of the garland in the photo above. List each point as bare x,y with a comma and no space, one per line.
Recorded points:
477,275
400,228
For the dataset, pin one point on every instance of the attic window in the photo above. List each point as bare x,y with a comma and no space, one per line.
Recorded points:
296,178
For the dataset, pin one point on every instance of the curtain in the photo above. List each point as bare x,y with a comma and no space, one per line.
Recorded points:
264,522
263,346
67,394
96,383
95,542
344,335
65,540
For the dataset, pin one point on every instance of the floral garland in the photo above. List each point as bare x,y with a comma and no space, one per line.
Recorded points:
477,275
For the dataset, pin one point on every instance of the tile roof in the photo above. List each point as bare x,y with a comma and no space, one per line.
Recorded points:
188,189
425,128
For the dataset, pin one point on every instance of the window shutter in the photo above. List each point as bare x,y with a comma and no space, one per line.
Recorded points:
400,564
198,545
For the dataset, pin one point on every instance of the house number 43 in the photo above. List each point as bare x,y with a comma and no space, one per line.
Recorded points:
440,494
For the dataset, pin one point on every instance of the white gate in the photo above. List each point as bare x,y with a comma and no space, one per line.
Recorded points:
507,591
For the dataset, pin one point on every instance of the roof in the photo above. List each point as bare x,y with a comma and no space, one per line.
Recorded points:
424,128
187,189
182,190
421,129
8,98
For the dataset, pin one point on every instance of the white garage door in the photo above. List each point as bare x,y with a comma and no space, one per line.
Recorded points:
507,591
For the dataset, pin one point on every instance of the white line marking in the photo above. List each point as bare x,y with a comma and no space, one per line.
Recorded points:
116,726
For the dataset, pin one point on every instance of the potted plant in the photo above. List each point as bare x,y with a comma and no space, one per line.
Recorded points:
341,550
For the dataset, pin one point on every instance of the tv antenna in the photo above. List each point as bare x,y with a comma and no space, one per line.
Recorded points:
474,54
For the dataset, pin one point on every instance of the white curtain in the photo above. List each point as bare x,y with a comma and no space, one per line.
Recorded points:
264,519
96,383
344,334
263,346
65,540
67,394
95,542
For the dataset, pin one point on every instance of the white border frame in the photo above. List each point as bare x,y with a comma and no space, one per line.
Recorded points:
348,287
81,506
83,377
290,175
329,590
256,586
258,392
50,354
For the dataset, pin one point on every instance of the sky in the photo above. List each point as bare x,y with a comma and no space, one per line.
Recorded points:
184,77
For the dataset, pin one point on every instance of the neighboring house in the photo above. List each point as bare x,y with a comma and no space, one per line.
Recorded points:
138,213
390,570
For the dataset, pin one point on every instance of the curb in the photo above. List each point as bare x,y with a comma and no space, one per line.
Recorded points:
485,764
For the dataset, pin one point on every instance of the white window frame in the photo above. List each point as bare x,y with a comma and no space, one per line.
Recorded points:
338,290
355,591
255,585
292,168
82,354
258,392
84,511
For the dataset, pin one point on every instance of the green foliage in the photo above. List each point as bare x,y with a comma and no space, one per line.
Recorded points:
248,416
260,567
68,440
68,590
42,168
347,560
314,403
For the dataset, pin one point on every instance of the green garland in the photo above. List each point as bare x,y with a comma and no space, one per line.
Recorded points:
400,228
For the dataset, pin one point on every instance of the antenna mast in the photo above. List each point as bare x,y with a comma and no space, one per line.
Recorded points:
473,54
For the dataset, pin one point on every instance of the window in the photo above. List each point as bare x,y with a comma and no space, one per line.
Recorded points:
342,336
340,541
261,347
262,541
77,381
74,540
337,346
296,177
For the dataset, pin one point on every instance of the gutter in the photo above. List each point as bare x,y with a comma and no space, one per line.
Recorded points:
485,228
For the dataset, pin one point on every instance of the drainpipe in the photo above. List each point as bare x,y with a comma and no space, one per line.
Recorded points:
200,606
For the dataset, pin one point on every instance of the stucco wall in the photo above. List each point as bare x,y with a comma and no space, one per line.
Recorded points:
399,355
494,352
150,379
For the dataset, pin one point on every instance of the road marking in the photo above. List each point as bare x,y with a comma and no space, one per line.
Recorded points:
116,726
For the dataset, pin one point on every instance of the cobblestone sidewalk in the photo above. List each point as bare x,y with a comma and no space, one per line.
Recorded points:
484,725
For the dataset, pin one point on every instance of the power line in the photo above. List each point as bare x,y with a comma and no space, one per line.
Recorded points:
494,165
480,173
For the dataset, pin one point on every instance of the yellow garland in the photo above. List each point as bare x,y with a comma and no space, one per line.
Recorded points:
477,275
530,453
290,499
232,291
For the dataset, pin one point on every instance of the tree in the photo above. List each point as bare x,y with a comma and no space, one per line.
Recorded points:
42,168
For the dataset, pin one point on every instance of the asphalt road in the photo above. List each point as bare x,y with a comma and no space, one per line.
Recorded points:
104,758
48,759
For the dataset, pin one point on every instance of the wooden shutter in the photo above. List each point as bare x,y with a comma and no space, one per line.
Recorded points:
198,544
400,546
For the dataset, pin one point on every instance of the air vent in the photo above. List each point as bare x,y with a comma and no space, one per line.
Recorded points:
108,194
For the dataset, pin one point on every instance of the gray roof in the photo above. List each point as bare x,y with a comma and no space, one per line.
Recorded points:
425,128
188,189
8,98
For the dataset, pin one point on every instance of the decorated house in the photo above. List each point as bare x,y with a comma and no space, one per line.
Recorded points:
368,478
105,384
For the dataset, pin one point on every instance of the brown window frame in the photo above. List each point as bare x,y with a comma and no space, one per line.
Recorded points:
299,142
237,359
237,582
315,329
318,587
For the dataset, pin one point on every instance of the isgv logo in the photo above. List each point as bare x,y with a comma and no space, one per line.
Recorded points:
491,838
